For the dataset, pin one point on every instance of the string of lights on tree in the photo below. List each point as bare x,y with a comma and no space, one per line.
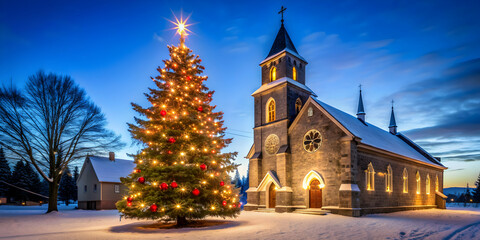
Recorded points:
180,172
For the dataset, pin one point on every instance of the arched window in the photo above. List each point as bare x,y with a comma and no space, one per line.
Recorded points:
273,74
405,180
294,73
389,179
418,183
271,110
370,176
436,183
427,184
298,105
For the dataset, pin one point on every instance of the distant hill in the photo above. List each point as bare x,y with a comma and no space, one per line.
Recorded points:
455,190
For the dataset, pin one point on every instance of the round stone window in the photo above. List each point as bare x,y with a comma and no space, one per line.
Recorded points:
312,140
272,144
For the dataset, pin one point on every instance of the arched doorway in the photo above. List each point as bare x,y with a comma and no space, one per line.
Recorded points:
315,194
272,197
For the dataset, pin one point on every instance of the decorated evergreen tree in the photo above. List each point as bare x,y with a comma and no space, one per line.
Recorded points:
180,173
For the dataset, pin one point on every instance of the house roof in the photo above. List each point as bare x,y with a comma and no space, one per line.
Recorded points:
111,171
376,137
280,81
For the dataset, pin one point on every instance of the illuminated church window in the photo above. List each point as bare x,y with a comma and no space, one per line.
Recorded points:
273,74
370,176
419,185
271,110
294,71
389,179
427,183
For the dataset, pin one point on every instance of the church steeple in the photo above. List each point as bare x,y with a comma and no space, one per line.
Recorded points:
361,109
283,60
282,42
393,124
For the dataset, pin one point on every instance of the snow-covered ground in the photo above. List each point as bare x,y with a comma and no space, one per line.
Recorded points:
17,222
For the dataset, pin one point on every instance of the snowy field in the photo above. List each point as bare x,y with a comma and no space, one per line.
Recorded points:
17,222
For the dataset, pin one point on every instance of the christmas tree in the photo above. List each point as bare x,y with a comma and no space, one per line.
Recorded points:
180,173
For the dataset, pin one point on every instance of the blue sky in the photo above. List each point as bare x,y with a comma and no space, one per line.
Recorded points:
423,54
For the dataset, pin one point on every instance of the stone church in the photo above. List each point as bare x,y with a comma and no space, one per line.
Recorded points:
310,155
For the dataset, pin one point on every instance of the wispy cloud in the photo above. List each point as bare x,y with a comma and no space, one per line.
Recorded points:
158,38
450,105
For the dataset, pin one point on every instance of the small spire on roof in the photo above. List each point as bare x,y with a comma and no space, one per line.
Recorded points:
361,109
393,124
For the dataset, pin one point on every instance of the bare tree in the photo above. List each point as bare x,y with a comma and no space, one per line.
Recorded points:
52,114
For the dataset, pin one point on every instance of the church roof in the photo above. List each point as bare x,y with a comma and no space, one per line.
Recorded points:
280,81
111,171
282,42
376,137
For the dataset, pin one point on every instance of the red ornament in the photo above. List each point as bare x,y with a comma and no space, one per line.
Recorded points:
209,95
164,186
129,204
196,192
174,184
171,140
153,208
200,109
203,166
169,152
224,203
138,170
129,199
222,183
163,113
141,180
234,205
189,78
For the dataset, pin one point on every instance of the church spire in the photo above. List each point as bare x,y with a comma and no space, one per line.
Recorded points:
361,110
393,124
282,41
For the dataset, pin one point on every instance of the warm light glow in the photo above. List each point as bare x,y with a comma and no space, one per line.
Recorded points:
181,26
213,208
178,206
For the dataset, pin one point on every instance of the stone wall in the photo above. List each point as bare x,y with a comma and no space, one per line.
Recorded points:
326,160
379,197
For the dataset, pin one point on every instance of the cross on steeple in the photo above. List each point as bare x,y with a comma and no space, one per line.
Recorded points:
392,103
281,12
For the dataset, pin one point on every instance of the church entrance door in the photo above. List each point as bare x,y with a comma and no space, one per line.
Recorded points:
272,197
315,194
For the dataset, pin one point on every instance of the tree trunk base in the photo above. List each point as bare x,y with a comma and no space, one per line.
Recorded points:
181,221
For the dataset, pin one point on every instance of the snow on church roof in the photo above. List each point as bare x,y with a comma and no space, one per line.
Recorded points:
377,137
111,171
275,83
